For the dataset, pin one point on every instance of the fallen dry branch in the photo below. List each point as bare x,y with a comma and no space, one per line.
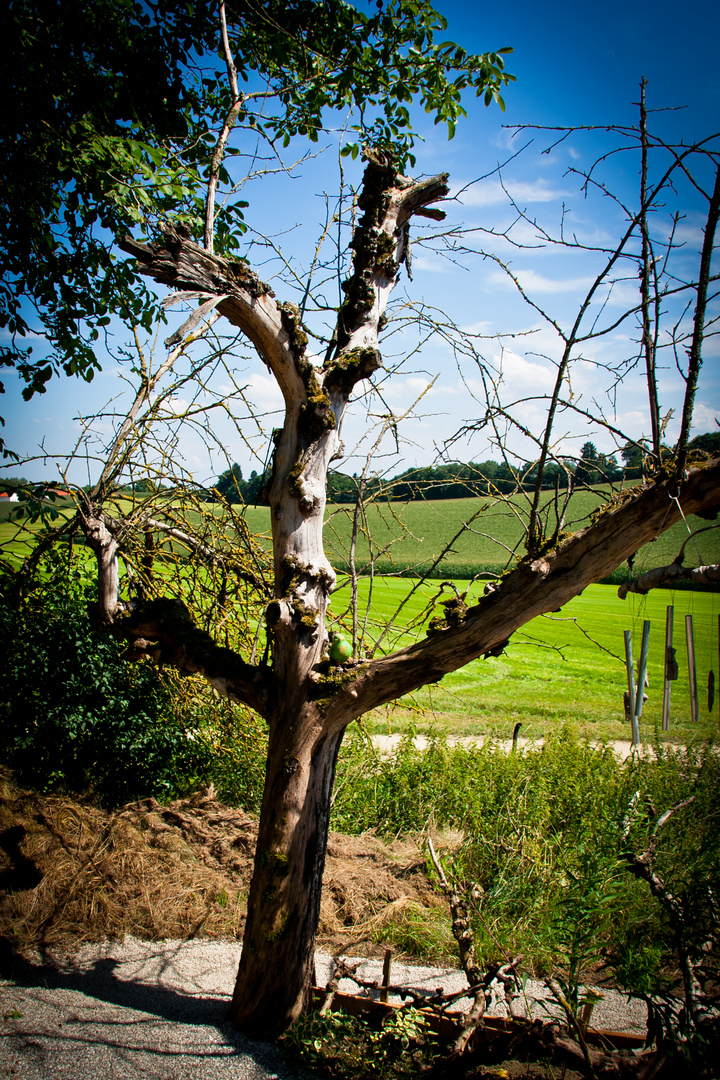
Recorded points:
500,1040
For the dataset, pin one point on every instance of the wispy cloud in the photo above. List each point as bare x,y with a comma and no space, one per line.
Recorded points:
31,335
264,391
492,192
428,265
534,283
705,418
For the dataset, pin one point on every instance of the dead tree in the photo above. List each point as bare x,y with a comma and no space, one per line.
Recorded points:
307,702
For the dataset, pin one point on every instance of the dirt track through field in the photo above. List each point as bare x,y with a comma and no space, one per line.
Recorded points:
621,747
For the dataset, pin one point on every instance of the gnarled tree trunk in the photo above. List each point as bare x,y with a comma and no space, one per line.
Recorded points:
308,704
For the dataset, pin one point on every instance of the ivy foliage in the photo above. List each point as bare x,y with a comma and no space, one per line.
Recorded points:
112,111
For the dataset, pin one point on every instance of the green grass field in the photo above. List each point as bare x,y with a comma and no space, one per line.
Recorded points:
417,532
564,668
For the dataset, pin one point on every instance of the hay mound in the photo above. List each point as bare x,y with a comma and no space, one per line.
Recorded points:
70,872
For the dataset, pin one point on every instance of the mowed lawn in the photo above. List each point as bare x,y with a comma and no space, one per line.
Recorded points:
564,668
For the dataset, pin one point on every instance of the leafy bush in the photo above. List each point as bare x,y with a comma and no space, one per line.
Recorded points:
541,834
76,717
398,1045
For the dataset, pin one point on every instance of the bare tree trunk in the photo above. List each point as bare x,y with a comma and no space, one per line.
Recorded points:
284,904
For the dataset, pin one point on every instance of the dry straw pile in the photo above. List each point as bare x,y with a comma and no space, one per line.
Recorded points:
71,872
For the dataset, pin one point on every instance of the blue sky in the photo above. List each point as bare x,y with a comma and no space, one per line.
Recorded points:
574,66
581,63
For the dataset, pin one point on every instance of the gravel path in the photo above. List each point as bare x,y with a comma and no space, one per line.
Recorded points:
150,1010
156,1010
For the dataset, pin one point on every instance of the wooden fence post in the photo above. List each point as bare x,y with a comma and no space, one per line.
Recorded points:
387,961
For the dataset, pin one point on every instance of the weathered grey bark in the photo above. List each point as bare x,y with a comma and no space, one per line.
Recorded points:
308,706
661,575
105,548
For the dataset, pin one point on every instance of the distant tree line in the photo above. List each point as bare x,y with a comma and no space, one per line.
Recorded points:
456,480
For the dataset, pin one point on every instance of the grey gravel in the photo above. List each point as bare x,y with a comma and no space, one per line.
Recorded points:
131,1009
157,1010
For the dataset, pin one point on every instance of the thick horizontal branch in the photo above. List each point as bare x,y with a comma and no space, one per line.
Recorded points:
164,630
534,588
661,575
247,302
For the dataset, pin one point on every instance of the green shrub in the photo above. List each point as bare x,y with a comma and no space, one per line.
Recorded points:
76,717
400,1044
542,831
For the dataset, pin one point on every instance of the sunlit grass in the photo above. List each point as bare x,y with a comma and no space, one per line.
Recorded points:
568,667
564,668
487,545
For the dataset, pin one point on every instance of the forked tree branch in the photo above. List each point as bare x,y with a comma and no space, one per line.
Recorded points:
164,629
250,304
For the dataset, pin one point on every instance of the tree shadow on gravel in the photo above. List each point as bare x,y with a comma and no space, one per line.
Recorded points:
99,982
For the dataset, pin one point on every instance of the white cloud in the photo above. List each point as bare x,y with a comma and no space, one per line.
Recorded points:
429,265
482,326
263,391
176,406
493,192
19,339
534,283
50,421
521,375
705,418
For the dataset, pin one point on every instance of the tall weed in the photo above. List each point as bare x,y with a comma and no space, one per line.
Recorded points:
542,833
